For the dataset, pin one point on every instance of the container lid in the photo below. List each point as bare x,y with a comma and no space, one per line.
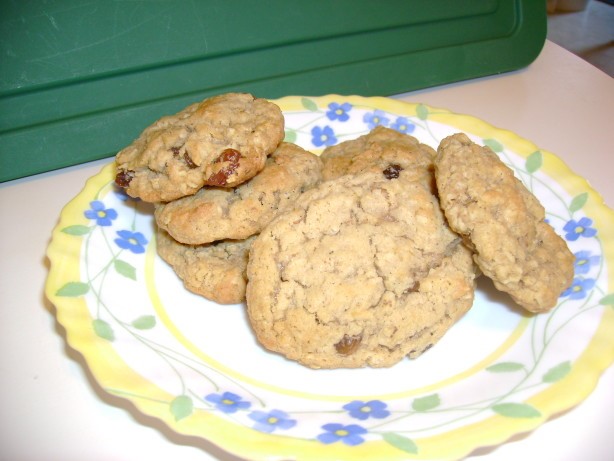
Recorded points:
80,80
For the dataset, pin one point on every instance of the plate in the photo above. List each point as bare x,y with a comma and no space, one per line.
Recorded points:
196,366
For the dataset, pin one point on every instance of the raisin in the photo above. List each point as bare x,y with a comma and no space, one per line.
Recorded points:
393,171
186,157
217,179
188,161
348,344
414,288
229,155
414,352
123,178
220,178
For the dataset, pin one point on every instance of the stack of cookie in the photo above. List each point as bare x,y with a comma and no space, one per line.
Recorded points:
206,237
359,257
218,172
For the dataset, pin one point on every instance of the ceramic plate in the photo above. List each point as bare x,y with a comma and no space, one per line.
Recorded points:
196,366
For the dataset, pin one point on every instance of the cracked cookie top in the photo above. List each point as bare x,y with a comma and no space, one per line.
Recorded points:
221,141
341,279
503,222
236,213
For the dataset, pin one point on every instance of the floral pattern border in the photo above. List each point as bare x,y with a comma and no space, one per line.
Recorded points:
118,234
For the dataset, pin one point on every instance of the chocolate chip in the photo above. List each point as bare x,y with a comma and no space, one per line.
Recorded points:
393,171
123,178
348,344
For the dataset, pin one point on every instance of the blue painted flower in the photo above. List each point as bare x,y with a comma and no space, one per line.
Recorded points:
228,402
579,288
375,118
583,228
584,261
133,241
403,125
323,136
102,215
350,434
274,419
363,410
338,111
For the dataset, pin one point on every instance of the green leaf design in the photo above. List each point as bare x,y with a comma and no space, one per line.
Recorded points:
422,112
505,367
495,145
181,407
401,442
578,202
534,162
73,289
557,373
125,269
426,403
144,322
309,104
607,300
290,136
516,410
77,229
103,329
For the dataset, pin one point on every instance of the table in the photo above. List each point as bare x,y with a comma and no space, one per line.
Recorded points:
51,407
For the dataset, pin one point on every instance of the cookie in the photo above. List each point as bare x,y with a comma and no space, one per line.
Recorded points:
216,271
222,213
221,141
375,151
445,294
349,276
503,222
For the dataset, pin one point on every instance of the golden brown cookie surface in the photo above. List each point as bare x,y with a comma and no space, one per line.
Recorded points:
504,223
215,271
377,150
348,278
236,213
221,141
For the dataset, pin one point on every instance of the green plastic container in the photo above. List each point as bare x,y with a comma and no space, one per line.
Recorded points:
80,80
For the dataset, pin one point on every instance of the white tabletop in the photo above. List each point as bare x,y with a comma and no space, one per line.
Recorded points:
52,409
